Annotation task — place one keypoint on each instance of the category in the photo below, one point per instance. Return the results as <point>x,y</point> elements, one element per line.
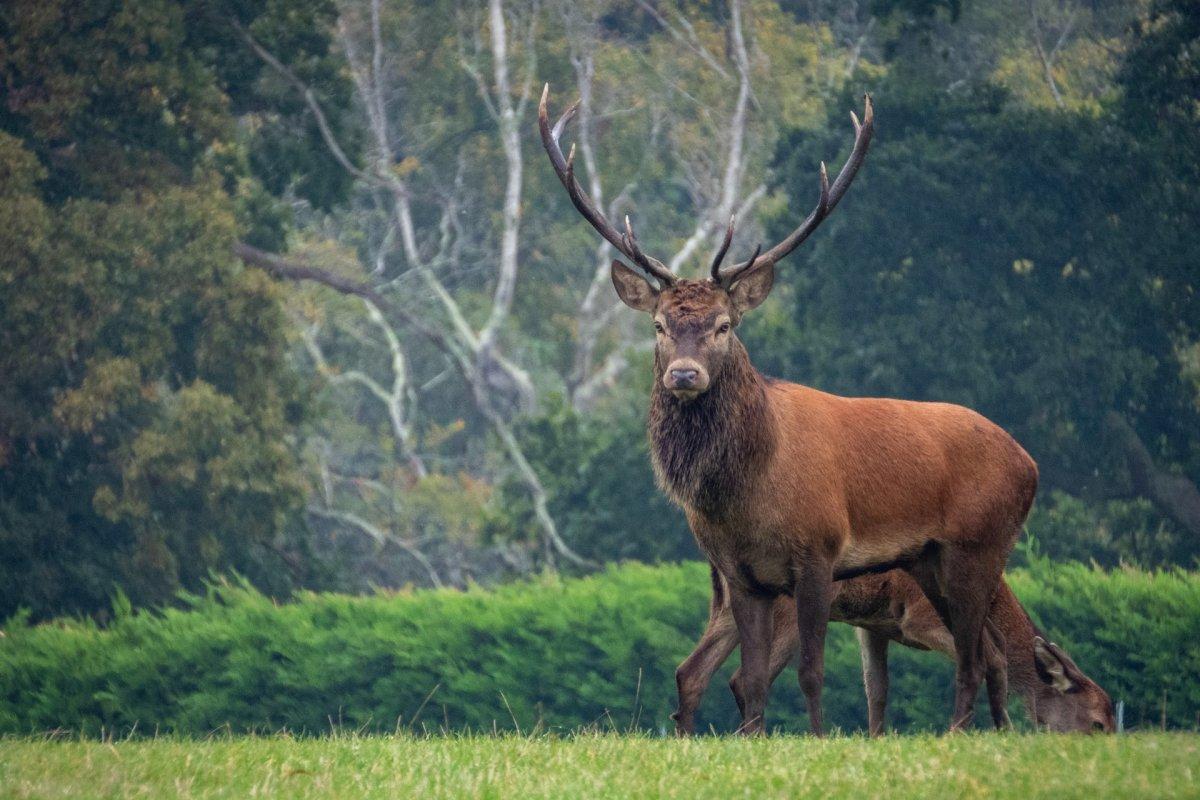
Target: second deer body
<point>890,607</point>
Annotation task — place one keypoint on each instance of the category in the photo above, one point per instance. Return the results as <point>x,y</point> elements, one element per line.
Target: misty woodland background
<point>289,289</point>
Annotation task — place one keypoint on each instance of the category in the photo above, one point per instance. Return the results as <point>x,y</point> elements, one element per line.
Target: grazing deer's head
<point>1068,700</point>
<point>694,319</point>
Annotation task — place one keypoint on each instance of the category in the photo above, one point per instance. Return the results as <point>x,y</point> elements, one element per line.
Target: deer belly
<point>877,554</point>
<point>757,567</point>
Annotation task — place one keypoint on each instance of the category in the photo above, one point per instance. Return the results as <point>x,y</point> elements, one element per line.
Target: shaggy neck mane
<point>706,452</point>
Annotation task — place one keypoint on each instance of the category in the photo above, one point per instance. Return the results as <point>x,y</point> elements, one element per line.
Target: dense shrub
<point>564,653</point>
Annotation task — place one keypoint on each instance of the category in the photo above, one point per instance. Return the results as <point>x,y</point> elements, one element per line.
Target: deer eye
<point>658,328</point>
<point>724,328</point>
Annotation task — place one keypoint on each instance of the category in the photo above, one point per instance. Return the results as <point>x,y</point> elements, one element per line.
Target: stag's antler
<point>830,197</point>
<point>626,243</point>
<point>720,256</point>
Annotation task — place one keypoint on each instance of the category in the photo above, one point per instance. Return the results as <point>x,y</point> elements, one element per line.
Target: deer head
<point>694,320</point>
<point>1068,700</point>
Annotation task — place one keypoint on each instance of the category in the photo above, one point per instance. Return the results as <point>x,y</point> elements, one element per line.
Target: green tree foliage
<point>1160,76</point>
<point>599,651</point>
<point>1022,240</point>
<point>1014,260</point>
<point>115,95</point>
<point>1160,80</point>
<point>604,493</point>
<point>146,403</point>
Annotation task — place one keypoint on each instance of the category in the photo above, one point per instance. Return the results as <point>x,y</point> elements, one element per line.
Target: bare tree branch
<point>510,137</point>
<point>485,94</point>
<point>396,399</point>
<point>292,270</point>
<point>314,107</point>
<point>714,219</point>
<point>1174,495</point>
<point>541,502</point>
<point>475,354</point>
<point>381,536</point>
<point>1047,59</point>
<point>691,40</point>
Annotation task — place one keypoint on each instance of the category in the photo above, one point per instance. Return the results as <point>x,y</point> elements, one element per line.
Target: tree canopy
<point>289,288</point>
<point>147,407</point>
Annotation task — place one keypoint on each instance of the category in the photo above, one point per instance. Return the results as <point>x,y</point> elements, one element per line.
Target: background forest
<point>289,289</point>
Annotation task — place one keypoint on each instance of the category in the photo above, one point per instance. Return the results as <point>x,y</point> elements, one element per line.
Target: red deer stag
<point>890,607</point>
<point>787,488</point>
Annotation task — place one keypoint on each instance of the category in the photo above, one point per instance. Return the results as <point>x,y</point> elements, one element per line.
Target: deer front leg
<point>783,647</point>
<point>752,613</point>
<point>873,647</point>
<point>814,595</point>
<point>694,674</point>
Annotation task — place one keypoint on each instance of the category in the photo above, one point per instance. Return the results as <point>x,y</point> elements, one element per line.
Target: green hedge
<point>563,653</point>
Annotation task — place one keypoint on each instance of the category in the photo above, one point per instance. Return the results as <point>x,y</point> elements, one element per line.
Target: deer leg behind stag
<point>996,674</point>
<point>692,678</point>
<point>873,648</point>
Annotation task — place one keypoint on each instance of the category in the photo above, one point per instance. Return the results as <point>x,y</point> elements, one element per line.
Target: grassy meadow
<point>605,765</point>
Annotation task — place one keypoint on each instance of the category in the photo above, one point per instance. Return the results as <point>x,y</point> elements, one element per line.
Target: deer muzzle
<point>686,378</point>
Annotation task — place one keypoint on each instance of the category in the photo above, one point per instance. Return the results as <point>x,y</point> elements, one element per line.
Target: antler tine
<point>550,136</point>
<point>564,120</point>
<point>727,280</point>
<point>649,264</point>
<point>630,239</point>
<point>823,200</point>
<point>831,195</point>
<point>720,256</point>
<point>564,167</point>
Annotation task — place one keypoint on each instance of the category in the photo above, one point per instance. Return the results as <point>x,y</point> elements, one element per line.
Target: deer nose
<point>684,378</point>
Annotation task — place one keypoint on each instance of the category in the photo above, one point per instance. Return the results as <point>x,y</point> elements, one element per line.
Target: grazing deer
<point>890,607</point>
<point>787,488</point>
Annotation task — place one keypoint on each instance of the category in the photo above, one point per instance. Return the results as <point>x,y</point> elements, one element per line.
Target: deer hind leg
<point>929,631</point>
<point>968,578</point>
<point>954,580</point>
<point>996,675</point>
<point>873,647</point>
<point>693,676</point>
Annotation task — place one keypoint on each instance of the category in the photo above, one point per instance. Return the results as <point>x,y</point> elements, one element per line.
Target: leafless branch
<point>1047,59</point>
<point>690,40</point>
<point>314,107</point>
<point>381,536</point>
<point>734,167</point>
<point>475,355</point>
<point>510,137</point>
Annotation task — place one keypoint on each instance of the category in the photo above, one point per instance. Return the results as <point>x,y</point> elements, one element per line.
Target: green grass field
<point>594,766</point>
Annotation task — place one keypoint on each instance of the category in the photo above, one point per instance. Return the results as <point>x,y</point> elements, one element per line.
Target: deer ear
<point>634,290</point>
<point>751,290</point>
<point>1055,667</point>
